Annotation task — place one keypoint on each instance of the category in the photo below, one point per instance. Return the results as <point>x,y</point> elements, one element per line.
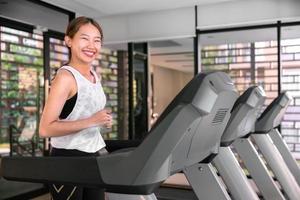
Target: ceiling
<point>104,8</point>
<point>176,54</point>
<point>173,54</point>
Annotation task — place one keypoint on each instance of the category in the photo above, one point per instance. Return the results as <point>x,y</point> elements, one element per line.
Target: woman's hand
<point>103,118</point>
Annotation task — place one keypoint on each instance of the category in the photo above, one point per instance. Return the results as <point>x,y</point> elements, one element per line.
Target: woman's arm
<point>63,87</point>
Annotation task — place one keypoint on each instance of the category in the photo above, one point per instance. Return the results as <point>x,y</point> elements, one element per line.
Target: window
<point>20,91</point>
<point>248,56</point>
<point>290,61</point>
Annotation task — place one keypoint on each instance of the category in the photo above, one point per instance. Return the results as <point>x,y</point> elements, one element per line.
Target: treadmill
<point>266,124</point>
<point>243,116</point>
<point>188,132</point>
<point>269,122</point>
<point>242,121</point>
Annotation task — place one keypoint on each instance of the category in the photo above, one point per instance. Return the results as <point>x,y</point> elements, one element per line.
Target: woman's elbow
<point>43,132</point>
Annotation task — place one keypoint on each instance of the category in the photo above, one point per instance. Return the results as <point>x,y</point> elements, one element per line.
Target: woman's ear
<point>68,41</point>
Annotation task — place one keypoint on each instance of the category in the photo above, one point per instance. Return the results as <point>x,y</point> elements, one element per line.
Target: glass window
<point>171,68</point>
<point>21,91</point>
<point>290,49</point>
<point>106,67</point>
<point>248,56</point>
<point>59,55</point>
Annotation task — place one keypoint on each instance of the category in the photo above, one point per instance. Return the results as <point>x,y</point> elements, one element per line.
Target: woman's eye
<point>84,38</point>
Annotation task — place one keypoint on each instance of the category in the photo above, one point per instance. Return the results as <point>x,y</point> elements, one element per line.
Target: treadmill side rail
<point>286,154</point>
<point>277,164</point>
<point>205,182</point>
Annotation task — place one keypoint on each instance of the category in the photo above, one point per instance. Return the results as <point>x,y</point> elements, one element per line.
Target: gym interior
<point>205,98</point>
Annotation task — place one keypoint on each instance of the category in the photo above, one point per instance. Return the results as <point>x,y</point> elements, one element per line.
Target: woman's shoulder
<point>64,72</point>
<point>65,75</point>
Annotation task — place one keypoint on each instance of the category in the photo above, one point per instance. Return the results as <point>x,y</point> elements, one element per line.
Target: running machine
<point>242,121</point>
<point>187,132</point>
<point>243,116</point>
<point>269,119</point>
<point>268,124</point>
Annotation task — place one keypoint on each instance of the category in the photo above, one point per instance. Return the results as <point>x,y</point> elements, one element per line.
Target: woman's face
<point>85,45</point>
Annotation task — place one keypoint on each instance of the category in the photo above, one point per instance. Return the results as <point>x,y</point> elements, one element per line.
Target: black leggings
<point>72,192</point>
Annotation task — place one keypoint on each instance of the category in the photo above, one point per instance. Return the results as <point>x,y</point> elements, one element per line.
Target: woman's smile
<point>89,53</point>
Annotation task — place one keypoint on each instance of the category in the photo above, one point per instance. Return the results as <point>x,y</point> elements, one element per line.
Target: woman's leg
<point>93,194</point>
<point>65,192</point>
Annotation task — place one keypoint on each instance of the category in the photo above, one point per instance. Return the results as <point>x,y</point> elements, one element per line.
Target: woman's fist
<point>103,118</point>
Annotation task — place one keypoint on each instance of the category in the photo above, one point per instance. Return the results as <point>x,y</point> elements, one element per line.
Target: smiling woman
<point>74,110</point>
<point>84,30</point>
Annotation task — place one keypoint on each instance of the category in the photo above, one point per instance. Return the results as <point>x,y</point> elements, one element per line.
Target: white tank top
<point>90,99</point>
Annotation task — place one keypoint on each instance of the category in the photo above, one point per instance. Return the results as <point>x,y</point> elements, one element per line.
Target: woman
<point>74,110</point>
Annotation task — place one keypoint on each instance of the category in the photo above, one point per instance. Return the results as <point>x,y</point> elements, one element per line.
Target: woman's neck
<point>83,68</point>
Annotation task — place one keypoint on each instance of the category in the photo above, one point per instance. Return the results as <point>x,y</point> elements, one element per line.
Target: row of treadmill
<point>194,135</point>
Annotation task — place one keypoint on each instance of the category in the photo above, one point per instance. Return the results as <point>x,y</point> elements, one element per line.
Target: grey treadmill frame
<point>268,121</point>
<point>203,177</point>
<point>179,140</point>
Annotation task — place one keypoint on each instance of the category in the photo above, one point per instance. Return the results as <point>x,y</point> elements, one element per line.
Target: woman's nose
<point>91,44</point>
